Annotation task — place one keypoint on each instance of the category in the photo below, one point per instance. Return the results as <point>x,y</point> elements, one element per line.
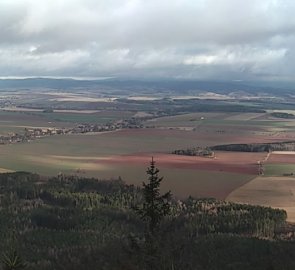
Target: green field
<point>187,120</point>
<point>279,169</point>
<point>220,119</point>
<point>97,118</point>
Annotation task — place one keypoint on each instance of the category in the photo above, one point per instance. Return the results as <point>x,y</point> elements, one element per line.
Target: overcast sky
<point>195,39</point>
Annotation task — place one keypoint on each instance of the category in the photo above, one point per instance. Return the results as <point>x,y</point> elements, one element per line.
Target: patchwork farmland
<point>126,153</point>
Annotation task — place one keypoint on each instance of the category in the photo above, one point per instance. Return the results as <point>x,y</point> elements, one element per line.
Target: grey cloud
<point>224,39</point>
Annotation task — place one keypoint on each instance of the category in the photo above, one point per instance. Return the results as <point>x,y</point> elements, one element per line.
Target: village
<point>37,133</point>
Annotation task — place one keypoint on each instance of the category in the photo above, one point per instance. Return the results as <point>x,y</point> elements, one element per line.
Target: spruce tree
<point>12,261</point>
<point>153,210</point>
<point>155,206</point>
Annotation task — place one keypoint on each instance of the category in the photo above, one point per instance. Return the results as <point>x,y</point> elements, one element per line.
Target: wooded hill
<point>67,222</point>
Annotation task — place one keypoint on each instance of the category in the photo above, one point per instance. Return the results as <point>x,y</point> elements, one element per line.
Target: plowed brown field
<point>235,162</point>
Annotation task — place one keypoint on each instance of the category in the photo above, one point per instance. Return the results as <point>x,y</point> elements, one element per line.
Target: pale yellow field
<point>283,111</point>
<point>3,170</point>
<point>69,162</point>
<point>83,99</point>
<point>277,192</point>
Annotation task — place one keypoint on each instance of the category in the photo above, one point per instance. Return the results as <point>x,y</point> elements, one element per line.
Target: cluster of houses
<point>34,133</point>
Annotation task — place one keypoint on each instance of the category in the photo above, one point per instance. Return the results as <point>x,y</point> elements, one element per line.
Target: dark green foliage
<point>155,206</point>
<point>72,223</point>
<point>12,261</point>
<point>249,147</point>
<point>209,216</point>
<point>283,115</point>
<point>196,151</point>
<point>256,147</point>
<point>235,253</point>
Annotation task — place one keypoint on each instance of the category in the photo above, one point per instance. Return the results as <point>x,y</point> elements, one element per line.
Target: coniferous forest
<point>67,222</point>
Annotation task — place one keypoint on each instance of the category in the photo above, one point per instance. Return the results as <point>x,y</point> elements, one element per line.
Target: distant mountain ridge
<point>163,86</point>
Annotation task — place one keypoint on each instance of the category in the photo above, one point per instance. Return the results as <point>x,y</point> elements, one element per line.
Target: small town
<point>37,133</point>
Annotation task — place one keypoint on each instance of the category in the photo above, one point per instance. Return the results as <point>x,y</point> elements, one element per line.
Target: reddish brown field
<point>186,175</point>
<point>234,162</point>
<point>282,158</point>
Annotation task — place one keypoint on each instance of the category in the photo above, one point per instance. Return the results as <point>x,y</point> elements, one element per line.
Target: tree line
<point>240,147</point>
<point>195,151</point>
<point>256,147</point>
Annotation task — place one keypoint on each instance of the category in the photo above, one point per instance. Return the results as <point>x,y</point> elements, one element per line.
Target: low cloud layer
<point>196,39</point>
